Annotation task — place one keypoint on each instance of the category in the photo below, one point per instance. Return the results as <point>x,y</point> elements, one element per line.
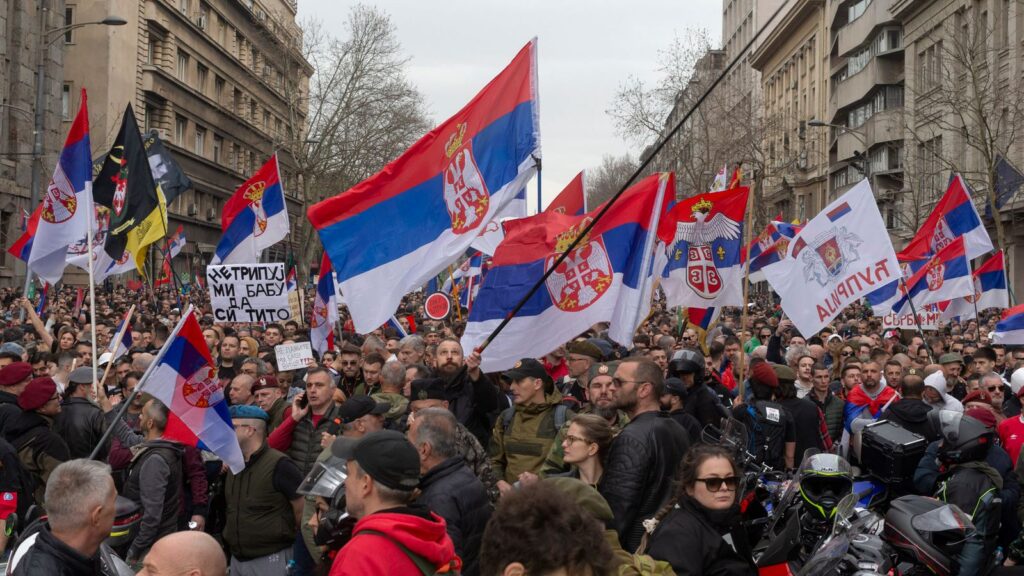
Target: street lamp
<point>45,41</point>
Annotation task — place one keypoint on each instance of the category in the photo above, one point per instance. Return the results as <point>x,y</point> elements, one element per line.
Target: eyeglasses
<point>574,439</point>
<point>715,484</point>
<point>349,362</point>
<point>846,353</point>
<point>993,388</point>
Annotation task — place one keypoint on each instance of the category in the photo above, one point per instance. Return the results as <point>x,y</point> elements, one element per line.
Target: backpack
<point>767,435</point>
<point>561,417</point>
<point>425,567</point>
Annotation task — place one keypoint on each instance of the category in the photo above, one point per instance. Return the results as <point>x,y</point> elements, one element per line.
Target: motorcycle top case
<point>890,452</point>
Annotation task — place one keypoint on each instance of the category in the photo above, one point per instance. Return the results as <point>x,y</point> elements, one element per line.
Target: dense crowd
<point>396,454</point>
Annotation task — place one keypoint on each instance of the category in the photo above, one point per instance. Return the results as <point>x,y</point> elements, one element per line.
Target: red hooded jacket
<point>422,532</point>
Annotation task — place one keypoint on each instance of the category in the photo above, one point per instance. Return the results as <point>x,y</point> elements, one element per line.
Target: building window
<point>857,61</point>
<point>929,67</point>
<point>929,166</point>
<point>69,19</point>
<point>180,125</point>
<point>182,66</point>
<point>857,9</point>
<point>218,88</point>
<point>147,121</point>
<point>204,16</point>
<point>236,101</point>
<point>65,101</point>
<point>252,111</point>
<point>266,120</point>
<point>1004,25</point>
<point>218,144</point>
<point>200,145</point>
<point>201,73</point>
<point>151,48</point>
<point>184,6</point>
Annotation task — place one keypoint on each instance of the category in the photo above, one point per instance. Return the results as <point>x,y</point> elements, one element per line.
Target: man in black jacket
<point>80,496</point>
<point>911,412</point>
<point>13,380</point>
<point>643,459</point>
<point>448,487</point>
<point>471,395</point>
<point>701,402</point>
<point>80,422</point>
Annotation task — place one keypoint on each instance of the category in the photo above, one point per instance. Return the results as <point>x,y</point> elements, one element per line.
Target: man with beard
<point>471,395</point>
<point>601,395</point>
<point>229,346</point>
<point>581,356</point>
<point>349,366</point>
<point>871,394</point>
<point>643,458</point>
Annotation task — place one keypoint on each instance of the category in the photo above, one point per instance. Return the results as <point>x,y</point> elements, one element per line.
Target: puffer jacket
<point>832,408</point>
<point>639,472</point>
<point>706,552</point>
<point>454,493</point>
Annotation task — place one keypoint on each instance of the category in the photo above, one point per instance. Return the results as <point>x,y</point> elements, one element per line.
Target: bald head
<point>142,361</point>
<point>187,553</point>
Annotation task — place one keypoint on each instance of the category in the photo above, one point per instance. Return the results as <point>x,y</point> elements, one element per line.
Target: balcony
<point>856,33</point>
<point>879,70</point>
<point>884,126</point>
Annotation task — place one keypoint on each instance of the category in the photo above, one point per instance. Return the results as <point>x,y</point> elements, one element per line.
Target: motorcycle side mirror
<point>844,511</point>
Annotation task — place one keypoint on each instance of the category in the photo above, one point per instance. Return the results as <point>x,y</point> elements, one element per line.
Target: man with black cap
<point>263,508</point>
<point>81,422</point>
<point>580,357</point>
<point>13,380</point>
<point>523,434</point>
<point>30,432</point>
<point>361,415</point>
<point>390,537</point>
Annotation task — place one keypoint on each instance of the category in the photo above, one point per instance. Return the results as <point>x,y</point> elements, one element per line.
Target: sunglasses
<point>715,484</point>
<point>354,363</point>
<point>993,388</point>
<point>846,353</point>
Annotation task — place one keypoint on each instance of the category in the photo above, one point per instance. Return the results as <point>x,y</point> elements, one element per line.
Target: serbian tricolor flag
<point>607,277</point>
<point>118,348</point>
<point>572,200</point>
<point>185,379</point>
<point>953,216</point>
<point>293,285</point>
<point>424,209</point>
<point>325,310</point>
<point>769,247</point>
<point>945,276</point>
<point>63,216</point>
<point>254,218</point>
<point>1010,329</point>
<point>703,237</point>
<point>176,242</point>
<point>989,291</point>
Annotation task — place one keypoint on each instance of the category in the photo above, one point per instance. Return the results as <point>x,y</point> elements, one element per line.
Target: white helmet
<point>1017,381</point>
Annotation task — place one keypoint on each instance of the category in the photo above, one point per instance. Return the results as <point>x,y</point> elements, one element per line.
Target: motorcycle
<point>854,546</point>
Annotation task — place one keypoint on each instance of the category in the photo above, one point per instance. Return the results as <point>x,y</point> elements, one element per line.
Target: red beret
<point>265,382</point>
<point>37,393</point>
<point>982,415</point>
<point>977,396</point>
<point>762,373</point>
<point>15,373</point>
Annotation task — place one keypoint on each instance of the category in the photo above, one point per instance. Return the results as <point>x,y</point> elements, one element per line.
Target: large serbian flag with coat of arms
<point>254,218</point>
<point>607,277</point>
<point>185,379</point>
<point>391,233</point>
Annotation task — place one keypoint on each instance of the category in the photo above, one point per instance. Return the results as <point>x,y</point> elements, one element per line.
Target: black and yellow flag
<point>125,185</point>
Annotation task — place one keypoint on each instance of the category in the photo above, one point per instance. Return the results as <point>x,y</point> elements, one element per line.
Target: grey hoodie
<point>937,382</point>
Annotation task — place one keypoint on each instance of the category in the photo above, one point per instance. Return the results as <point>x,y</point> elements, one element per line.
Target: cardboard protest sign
<point>293,356</point>
<point>248,293</point>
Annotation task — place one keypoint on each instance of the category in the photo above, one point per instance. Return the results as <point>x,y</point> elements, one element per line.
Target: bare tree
<point>965,107</point>
<point>607,179</point>
<point>362,111</point>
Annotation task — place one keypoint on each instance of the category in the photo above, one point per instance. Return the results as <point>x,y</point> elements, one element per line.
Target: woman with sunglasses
<point>585,446</point>
<point>698,531</point>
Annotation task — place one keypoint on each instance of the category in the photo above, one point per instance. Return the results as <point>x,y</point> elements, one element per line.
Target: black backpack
<point>767,435</point>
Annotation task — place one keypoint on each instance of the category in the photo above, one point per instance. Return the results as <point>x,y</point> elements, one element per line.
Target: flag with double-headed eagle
<point>254,219</point>
<point>125,185</point>
<point>324,314</point>
<point>990,291</point>
<point>103,266</point>
<point>607,277</point>
<point>703,239</point>
<point>391,233</point>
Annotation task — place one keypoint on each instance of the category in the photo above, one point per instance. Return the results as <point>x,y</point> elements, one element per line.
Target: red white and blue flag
<point>118,348</point>
<point>64,215</point>
<point>770,246</point>
<point>424,209</point>
<point>954,216</point>
<point>1010,329</point>
<point>325,309</point>
<point>255,217</point>
<point>291,281</point>
<point>185,379</point>
<point>176,242</point>
<point>572,200</point>
<point>945,276</point>
<point>103,265</point>
<point>608,277</point>
<point>990,291</point>
<point>703,240</point>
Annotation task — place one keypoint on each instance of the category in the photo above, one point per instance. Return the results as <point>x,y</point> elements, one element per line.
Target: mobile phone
<point>303,401</point>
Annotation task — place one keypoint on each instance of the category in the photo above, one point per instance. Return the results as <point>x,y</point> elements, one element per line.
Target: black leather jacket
<point>81,424</point>
<point>453,492</point>
<point>40,552</point>
<point>639,473</point>
<point>706,552</point>
<point>473,402</point>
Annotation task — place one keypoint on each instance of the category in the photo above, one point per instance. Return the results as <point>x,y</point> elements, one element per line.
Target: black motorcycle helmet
<point>824,480</point>
<point>964,439</point>
<point>687,361</point>
<point>929,531</point>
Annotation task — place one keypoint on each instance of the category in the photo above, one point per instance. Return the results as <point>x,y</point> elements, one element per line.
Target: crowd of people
<point>396,454</point>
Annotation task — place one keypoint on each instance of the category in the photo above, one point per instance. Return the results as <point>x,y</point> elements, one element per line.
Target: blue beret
<point>250,412</point>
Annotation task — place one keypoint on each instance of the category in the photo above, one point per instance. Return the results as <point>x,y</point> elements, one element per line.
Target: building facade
<point>224,83</point>
<point>30,39</point>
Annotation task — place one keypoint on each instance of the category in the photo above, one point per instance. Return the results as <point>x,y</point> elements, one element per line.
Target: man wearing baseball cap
<point>390,537</point>
<point>524,432</point>
<point>13,380</point>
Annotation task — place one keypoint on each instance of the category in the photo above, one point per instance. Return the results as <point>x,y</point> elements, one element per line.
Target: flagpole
<point>657,148</point>
<point>92,289</point>
<point>119,336</point>
<point>142,382</point>
<point>917,321</point>
<point>974,300</point>
<point>539,200</point>
<point>744,314</point>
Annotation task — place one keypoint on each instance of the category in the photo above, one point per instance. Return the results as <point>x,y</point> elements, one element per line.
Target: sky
<point>586,50</point>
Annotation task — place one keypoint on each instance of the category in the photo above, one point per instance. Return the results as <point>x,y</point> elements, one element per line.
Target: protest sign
<point>248,292</point>
<point>929,320</point>
<point>293,356</point>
